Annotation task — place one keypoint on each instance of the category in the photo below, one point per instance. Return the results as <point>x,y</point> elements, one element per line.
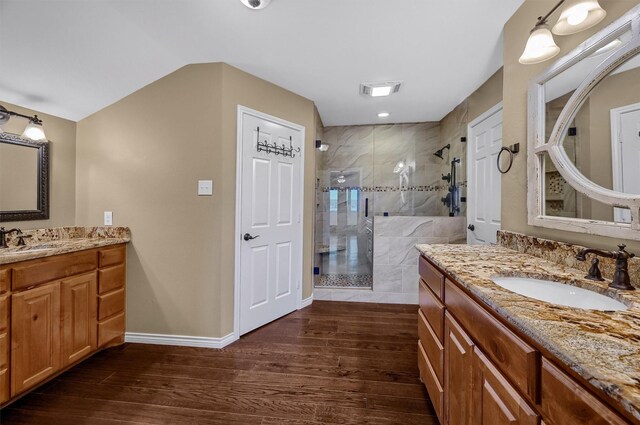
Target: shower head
<point>440,152</point>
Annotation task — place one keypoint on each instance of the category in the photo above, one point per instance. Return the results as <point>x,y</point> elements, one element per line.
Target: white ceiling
<point>71,58</point>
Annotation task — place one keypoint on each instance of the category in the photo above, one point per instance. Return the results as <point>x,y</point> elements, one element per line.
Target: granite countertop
<point>61,240</point>
<point>602,347</point>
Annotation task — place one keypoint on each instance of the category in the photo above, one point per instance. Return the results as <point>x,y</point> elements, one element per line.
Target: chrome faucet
<point>3,233</point>
<point>621,279</point>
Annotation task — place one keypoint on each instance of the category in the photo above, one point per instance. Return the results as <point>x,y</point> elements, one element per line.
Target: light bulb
<point>34,131</point>
<point>540,47</point>
<point>578,15</point>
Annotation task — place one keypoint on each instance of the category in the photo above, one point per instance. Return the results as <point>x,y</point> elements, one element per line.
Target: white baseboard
<point>307,301</point>
<point>180,340</point>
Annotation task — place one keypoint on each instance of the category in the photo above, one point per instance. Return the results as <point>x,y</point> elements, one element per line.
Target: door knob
<point>471,227</point>
<point>248,237</point>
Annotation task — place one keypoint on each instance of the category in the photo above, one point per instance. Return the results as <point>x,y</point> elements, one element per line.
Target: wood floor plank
<point>330,363</point>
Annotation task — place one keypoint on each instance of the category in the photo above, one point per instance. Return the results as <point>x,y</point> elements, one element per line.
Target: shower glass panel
<point>372,171</point>
<point>342,257</point>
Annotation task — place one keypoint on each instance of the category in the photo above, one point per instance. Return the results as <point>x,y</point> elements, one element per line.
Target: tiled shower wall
<point>367,155</point>
<point>452,128</point>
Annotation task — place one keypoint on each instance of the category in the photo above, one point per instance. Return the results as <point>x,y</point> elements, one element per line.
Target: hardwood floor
<point>330,363</point>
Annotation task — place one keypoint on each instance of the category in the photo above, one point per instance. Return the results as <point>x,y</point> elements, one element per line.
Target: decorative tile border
<point>430,188</point>
<point>344,281</point>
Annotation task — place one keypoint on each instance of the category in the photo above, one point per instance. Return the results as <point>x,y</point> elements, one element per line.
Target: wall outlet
<point>108,218</point>
<point>205,187</point>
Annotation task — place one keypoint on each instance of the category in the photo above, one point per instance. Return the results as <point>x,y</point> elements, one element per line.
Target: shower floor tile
<point>345,281</point>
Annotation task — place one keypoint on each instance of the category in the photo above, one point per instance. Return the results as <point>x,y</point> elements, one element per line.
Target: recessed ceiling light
<point>256,4</point>
<point>380,89</point>
<point>383,115</point>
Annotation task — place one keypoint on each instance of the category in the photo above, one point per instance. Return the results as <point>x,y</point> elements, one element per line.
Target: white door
<point>626,154</point>
<point>270,234</point>
<point>484,183</point>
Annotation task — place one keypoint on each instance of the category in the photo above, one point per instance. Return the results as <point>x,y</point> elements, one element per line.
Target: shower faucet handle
<point>447,177</point>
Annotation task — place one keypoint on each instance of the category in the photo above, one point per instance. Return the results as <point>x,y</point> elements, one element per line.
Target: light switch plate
<point>108,218</point>
<point>205,187</point>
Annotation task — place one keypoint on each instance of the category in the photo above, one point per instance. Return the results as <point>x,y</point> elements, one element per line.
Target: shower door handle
<point>366,207</point>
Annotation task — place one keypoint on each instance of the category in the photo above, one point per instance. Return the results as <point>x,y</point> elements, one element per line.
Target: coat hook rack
<point>274,148</point>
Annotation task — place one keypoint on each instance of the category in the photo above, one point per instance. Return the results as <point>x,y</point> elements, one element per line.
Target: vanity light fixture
<point>383,115</point>
<point>380,89</point>
<point>34,129</point>
<point>323,147</point>
<point>576,16</point>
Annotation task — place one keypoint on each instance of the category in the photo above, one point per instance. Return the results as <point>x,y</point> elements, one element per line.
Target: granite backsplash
<point>564,254</point>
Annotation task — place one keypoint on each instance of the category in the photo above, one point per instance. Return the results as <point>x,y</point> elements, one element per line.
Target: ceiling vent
<point>380,89</point>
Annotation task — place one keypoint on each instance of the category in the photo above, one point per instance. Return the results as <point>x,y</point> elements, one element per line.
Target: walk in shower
<point>375,171</point>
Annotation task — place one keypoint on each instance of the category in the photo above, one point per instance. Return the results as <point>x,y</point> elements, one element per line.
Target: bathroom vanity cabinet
<point>56,311</point>
<point>478,370</point>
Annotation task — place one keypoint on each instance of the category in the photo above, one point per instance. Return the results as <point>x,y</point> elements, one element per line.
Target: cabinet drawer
<point>111,304</point>
<point>4,313</point>
<point>430,380</point>
<point>564,401</point>
<point>112,256</point>
<point>47,269</point>
<point>514,357</point>
<point>111,329</point>
<point>433,310</point>
<point>5,280</point>
<point>432,277</point>
<point>431,345</point>
<point>111,278</point>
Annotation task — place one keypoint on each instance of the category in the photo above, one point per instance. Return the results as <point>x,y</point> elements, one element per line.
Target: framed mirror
<point>584,136</point>
<point>24,179</point>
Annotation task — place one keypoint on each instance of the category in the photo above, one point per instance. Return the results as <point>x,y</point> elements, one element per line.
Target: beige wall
<point>488,95</point>
<point>516,82</point>
<point>454,125</point>
<point>62,149</point>
<point>141,158</point>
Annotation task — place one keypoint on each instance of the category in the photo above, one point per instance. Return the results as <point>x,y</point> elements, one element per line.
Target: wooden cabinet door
<point>458,365</point>
<point>495,401</point>
<point>35,336</point>
<point>79,317</point>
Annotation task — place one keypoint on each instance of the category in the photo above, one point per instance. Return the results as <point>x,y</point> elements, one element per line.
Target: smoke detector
<point>256,4</point>
<point>380,89</point>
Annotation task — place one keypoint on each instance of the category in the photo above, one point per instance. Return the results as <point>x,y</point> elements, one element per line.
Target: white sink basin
<point>559,293</point>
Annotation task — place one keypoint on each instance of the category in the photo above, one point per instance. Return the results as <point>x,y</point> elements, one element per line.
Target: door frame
<point>242,112</point>
<point>616,151</point>
<point>482,117</point>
